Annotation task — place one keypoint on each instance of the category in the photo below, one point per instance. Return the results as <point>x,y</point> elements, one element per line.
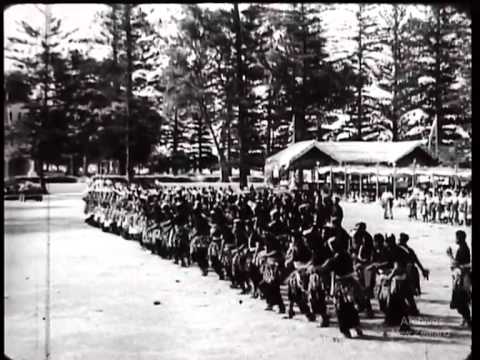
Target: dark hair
<point>379,238</point>
<point>404,237</point>
<point>362,226</point>
<point>390,239</point>
<point>461,235</point>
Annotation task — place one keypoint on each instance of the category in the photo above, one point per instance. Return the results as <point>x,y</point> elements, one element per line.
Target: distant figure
<point>387,203</point>
<point>337,210</point>
<point>412,204</point>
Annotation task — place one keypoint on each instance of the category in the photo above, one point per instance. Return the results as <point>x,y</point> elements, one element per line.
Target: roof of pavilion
<point>348,152</point>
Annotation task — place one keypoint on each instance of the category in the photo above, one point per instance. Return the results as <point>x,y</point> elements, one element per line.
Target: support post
<point>346,181</point>
<point>432,182</point>
<point>376,184</point>
<point>394,181</point>
<point>360,184</point>
<point>456,179</point>
<point>331,179</point>
<point>414,180</point>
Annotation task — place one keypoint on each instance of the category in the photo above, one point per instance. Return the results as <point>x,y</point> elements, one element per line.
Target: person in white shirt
<point>387,203</point>
<point>468,219</point>
<point>434,207</point>
<point>462,207</point>
<point>413,204</point>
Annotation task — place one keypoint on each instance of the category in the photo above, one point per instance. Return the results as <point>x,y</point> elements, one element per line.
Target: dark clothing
<point>342,238</point>
<point>227,234</point>
<point>462,255</point>
<point>341,263</point>
<point>245,212</point>
<point>277,228</point>
<point>241,237</point>
<point>180,219</point>
<point>379,255</point>
<point>400,256</point>
<point>316,244</point>
<point>365,254</point>
<point>322,216</point>
<point>337,212</point>
<point>462,284</point>
<point>359,238</point>
<point>201,225</point>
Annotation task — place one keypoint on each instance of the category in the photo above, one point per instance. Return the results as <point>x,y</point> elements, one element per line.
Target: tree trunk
<point>303,89</point>
<point>199,140</point>
<point>129,44</point>
<point>360,74</point>
<point>438,77</point>
<point>45,93</point>
<point>116,83</point>
<point>85,165</point>
<point>175,140</point>
<point>395,114</point>
<point>269,122</point>
<point>229,136</point>
<point>122,165</point>
<point>241,94</point>
<point>221,155</point>
<point>225,171</point>
<point>41,175</point>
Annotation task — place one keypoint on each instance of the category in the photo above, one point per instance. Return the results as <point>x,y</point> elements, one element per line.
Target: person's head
<point>403,239</point>
<point>378,241</point>
<point>460,236</point>
<point>360,227</point>
<point>390,240</point>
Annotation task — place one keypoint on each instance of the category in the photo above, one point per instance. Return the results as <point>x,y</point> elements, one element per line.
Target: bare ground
<point>103,290</point>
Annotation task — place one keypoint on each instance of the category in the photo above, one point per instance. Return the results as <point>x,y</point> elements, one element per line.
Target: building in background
<point>15,162</point>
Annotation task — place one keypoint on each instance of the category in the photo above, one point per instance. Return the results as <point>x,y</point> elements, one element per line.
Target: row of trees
<point>228,84</point>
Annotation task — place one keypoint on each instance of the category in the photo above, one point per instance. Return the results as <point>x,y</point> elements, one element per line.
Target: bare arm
<point>326,266</point>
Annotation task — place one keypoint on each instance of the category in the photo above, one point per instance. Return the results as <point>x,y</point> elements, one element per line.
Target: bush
<point>164,178</point>
<point>48,179</point>
<point>207,178</point>
<point>60,179</point>
<point>33,179</point>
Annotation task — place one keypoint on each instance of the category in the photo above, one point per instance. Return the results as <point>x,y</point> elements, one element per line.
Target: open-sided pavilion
<point>359,164</point>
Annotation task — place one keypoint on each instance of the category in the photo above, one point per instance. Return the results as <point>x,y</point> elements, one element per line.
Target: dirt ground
<point>103,290</point>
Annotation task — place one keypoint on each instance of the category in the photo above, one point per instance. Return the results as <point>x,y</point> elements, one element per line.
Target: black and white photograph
<point>237,181</point>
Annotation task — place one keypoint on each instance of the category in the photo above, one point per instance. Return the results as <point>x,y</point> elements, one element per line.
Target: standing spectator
<point>444,206</point>
<point>462,207</point>
<point>412,204</point>
<point>337,210</point>
<point>453,216</point>
<point>434,206</point>
<point>468,220</point>
<point>387,203</point>
<point>461,274</point>
<point>22,188</point>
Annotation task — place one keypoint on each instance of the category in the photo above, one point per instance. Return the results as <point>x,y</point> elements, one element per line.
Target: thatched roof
<point>351,152</point>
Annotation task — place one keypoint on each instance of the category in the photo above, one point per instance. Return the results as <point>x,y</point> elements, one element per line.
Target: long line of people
<point>260,240</point>
<point>447,206</point>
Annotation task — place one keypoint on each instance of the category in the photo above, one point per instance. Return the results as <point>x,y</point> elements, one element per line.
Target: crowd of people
<point>259,240</point>
<point>446,206</point>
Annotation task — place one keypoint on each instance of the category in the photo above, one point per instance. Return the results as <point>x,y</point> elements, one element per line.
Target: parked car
<point>15,189</point>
